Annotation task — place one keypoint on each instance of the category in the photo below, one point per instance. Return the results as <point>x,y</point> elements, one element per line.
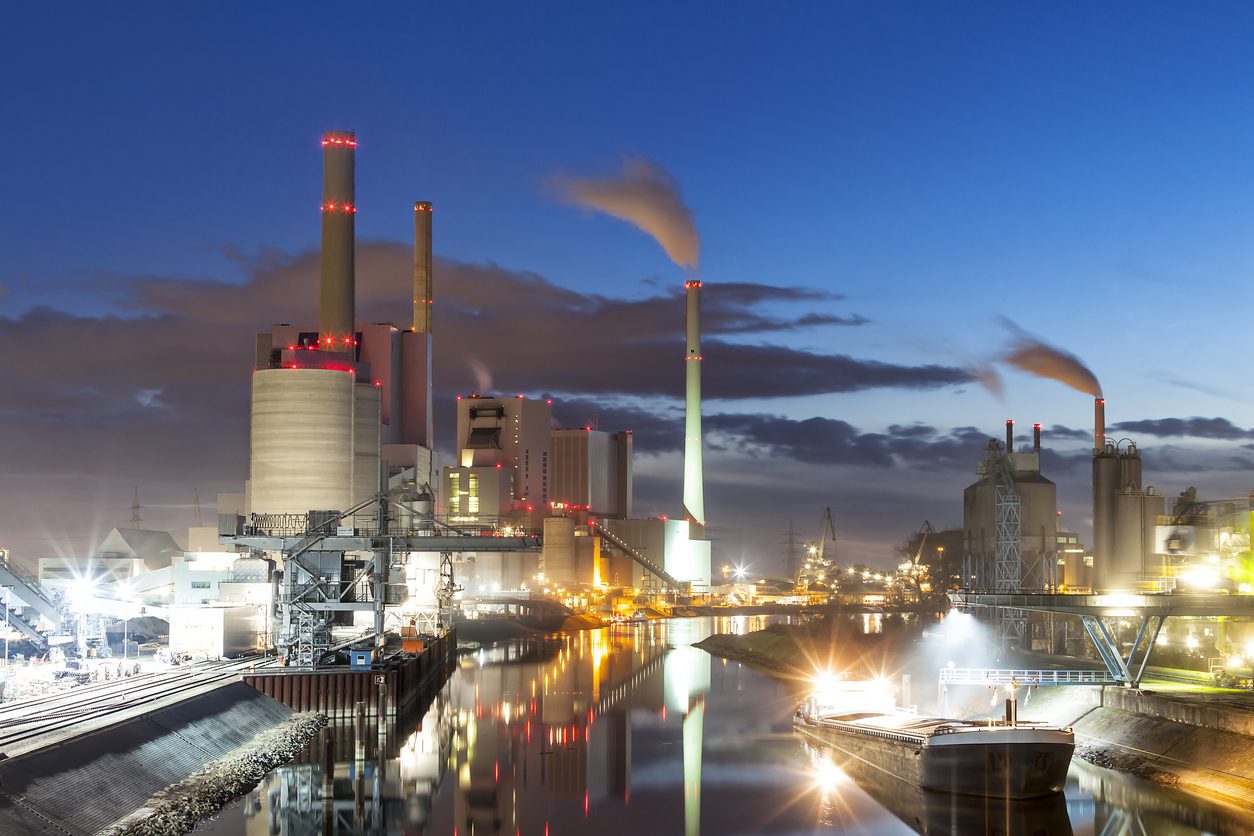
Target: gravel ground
<point>178,809</point>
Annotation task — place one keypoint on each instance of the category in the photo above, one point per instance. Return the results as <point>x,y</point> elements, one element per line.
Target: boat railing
<point>899,736</point>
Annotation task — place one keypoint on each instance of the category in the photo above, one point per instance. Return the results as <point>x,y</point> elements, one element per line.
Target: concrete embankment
<point>1185,741</point>
<point>84,783</point>
<point>180,808</point>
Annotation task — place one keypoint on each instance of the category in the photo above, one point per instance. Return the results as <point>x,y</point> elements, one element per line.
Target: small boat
<point>996,758</point>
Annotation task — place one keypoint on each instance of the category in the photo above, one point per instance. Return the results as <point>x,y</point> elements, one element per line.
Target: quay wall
<point>336,691</point>
<point>1201,713</point>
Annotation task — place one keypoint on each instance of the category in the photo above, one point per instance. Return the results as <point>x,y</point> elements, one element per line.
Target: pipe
<point>1099,425</point>
<point>422,267</point>
<point>1010,435</point>
<point>336,325</point>
<point>1036,438</point>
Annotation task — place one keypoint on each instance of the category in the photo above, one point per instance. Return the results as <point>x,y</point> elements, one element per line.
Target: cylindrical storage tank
<point>1130,470</point>
<point>1129,529</point>
<point>301,440</point>
<point>1105,481</point>
<point>366,430</point>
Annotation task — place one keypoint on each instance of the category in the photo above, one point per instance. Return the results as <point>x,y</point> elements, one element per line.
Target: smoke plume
<point>988,377</point>
<point>643,194</point>
<point>1032,355</point>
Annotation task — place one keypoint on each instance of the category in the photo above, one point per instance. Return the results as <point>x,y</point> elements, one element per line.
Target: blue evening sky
<point>1086,170</point>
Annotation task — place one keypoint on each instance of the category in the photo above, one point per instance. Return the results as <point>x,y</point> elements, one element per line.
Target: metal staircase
<point>618,543</point>
<point>28,603</point>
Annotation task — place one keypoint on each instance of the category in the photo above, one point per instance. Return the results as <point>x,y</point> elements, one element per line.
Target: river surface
<point>631,730</point>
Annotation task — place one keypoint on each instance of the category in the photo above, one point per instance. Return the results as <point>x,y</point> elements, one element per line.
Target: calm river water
<point>630,730</point>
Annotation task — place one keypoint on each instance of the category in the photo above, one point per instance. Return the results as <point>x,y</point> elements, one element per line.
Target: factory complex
<point>352,534</point>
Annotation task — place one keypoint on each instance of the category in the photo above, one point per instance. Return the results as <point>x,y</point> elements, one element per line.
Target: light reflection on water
<point>629,730</point>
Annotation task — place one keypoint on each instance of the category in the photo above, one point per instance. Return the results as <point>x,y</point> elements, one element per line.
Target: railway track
<point>24,720</point>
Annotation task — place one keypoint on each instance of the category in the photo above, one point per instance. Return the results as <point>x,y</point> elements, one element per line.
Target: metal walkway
<point>1024,677</point>
<point>1093,608</point>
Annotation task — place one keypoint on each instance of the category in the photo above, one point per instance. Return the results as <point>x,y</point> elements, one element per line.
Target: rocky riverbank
<point>180,808</point>
<point>799,651</point>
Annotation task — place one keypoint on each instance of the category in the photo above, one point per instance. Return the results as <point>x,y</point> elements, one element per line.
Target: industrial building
<point>123,554</point>
<point>511,433</point>
<point>341,437</point>
<point>1010,519</point>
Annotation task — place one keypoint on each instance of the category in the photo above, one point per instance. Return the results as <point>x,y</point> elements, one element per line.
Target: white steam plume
<point>643,194</point>
<point>483,377</point>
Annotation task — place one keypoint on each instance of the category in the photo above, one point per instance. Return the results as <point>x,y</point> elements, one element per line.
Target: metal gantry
<point>1008,564</point>
<point>318,582</point>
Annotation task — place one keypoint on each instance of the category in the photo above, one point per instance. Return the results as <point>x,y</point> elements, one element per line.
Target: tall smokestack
<point>694,491</point>
<point>422,267</point>
<point>1010,435</point>
<point>1099,425</point>
<point>336,327</point>
<point>1036,438</point>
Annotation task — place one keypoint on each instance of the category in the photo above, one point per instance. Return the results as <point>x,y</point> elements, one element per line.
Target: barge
<point>993,758</point>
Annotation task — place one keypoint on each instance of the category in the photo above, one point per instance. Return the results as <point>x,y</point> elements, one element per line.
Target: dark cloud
<point>1058,431</point>
<point>1216,428</point>
<point>832,441</point>
<point>530,334</point>
<point>156,392</point>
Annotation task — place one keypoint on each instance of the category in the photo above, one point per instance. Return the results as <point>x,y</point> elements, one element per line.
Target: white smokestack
<point>694,479</point>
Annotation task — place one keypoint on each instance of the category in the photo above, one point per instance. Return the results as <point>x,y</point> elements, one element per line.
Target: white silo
<point>302,440</point>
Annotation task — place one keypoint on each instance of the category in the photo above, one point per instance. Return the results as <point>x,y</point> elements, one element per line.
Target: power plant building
<point>512,433</point>
<point>592,470</point>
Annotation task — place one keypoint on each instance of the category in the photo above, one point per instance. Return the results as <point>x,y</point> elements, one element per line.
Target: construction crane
<point>917,569</point>
<point>817,565</point>
<point>926,529</point>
